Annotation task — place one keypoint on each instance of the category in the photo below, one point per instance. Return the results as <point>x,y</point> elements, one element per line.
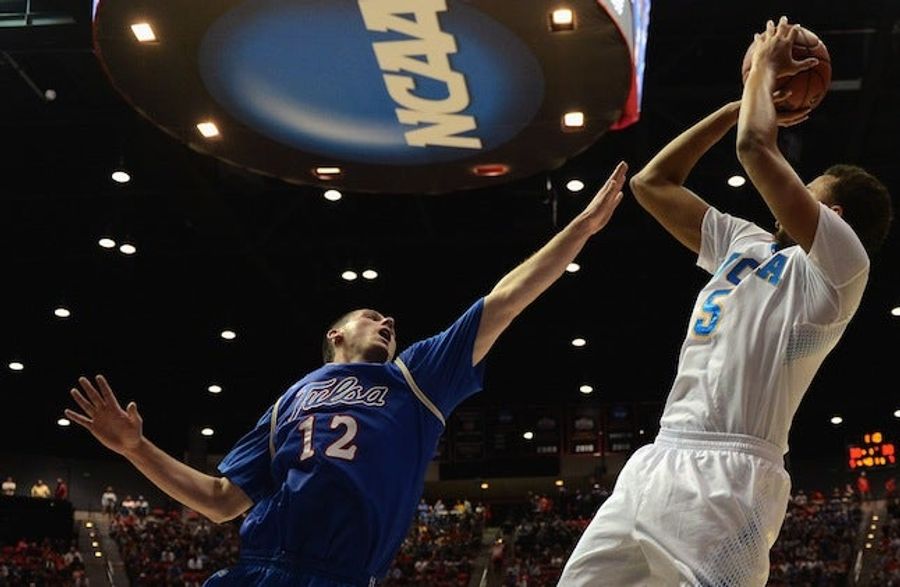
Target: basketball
<point>809,87</point>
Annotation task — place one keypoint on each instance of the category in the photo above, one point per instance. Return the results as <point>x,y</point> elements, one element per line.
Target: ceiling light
<point>562,19</point>
<point>895,311</point>
<point>16,366</point>
<point>98,554</point>
<point>586,389</point>
<point>528,435</point>
<point>737,181</point>
<point>127,249</point>
<point>327,172</point>
<point>88,524</point>
<point>208,129</point>
<point>120,176</point>
<point>207,432</point>
<point>573,267</point>
<point>369,274</point>
<point>228,334</point>
<point>214,388</point>
<point>107,243</point>
<point>578,342</point>
<point>143,32</point>
<point>63,422</point>
<point>349,275</point>
<point>485,485</point>
<point>559,482</point>
<point>897,413</point>
<point>491,170</point>
<point>333,195</point>
<point>836,420</point>
<point>575,185</point>
<point>573,120</point>
<point>62,312</point>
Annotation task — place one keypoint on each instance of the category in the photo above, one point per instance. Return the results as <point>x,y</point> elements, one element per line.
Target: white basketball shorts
<point>693,508</point>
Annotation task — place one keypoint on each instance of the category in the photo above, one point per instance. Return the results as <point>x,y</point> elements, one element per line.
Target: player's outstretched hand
<point>601,208</point>
<point>773,47</point>
<point>119,430</point>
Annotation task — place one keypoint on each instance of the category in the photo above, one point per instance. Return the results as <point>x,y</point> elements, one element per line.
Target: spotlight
<point>562,19</point>
<point>62,312</point>
<point>107,243</point>
<point>573,267</point>
<point>586,389</point>
<point>208,129</point>
<point>836,420</point>
<point>143,32</point>
<point>332,195</point>
<point>63,422</point>
<point>575,185</point>
<point>127,249</point>
<point>370,274</point>
<point>207,432</point>
<point>573,120</point>
<point>120,176</point>
<point>16,366</point>
<point>214,388</point>
<point>349,275</point>
<point>737,181</point>
<point>528,435</point>
<point>228,334</point>
<point>578,342</point>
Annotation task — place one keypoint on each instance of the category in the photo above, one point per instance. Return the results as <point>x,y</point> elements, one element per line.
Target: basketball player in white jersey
<point>703,504</point>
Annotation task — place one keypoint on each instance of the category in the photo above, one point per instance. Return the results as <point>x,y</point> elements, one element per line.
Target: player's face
<point>820,189</point>
<point>370,336</point>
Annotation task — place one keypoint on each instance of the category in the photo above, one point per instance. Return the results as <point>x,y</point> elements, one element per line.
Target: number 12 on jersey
<point>342,448</point>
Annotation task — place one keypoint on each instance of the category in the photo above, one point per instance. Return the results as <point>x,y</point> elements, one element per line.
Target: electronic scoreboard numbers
<point>873,453</point>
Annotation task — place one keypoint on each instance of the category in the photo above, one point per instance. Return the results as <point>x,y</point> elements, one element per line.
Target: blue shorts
<point>281,572</point>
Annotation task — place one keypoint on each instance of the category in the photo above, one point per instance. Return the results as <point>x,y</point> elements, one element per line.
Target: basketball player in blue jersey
<point>704,503</point>
<point>333,471</point>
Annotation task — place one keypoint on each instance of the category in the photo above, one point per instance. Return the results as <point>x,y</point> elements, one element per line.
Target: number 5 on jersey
<point>711,313</point>
<point>342,448</point>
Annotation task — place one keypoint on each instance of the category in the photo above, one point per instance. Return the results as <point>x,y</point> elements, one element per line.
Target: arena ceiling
<point>221,248</point>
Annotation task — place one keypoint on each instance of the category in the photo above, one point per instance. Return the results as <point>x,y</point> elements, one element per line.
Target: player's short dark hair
<point>327,346</point>
<point>865,201</point>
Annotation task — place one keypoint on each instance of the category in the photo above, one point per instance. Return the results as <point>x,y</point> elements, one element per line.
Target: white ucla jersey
<point>762,325</point>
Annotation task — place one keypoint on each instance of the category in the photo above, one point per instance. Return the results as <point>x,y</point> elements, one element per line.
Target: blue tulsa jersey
<point>351,446</point>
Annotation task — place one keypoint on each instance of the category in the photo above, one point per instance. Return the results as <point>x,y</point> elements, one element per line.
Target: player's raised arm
<point>122,431</point>
<point>521,286</point>
<point>783,191</point>
<point>659,186</point>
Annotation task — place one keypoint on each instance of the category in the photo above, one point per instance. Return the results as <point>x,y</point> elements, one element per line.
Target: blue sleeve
<point>442,365</point>
<point>248,464</point>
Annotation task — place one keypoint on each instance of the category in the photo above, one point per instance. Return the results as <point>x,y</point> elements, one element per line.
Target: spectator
<point>108,500</point>
<point>41,490</point>
<point>862,485</point>
<point>62,490</point>
<point>142,506</point>
<point>9,486</point>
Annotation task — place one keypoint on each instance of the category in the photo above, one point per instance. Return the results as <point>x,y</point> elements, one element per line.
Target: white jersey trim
<point>272,424</point>
<point>418,391</point>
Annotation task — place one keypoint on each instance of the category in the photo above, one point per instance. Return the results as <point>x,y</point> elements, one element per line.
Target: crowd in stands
<point>887,548</point>
<point>441,545</point>
<point>39,489</point>
<point>50,563</point>
<point>817,539</point>
<point>544,536</point>
<point>170,548</point>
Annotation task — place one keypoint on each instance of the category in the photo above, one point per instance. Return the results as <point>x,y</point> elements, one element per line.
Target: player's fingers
<point>106,391</point>
<point>78,418</point>
<point>807,63</point>
<point>618,174</point>
<point>82,402</point>
<point>780,96</point>
<point>91,392</point>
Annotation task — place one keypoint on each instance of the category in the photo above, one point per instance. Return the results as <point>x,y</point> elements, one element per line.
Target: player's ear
<point>336,336</point>
<point>838,209</point>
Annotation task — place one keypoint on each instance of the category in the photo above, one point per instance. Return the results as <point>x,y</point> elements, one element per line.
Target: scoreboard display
<point>873,453</point>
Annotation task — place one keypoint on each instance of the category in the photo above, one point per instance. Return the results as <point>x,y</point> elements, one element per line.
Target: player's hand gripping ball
<point>807,88</point>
